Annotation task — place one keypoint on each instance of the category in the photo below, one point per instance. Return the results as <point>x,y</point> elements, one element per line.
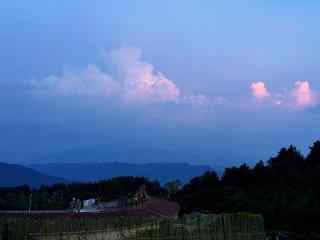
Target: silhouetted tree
<point>241,177</point>
<point>285,190</point>
<point>313,158</point>
<point>287,157</point>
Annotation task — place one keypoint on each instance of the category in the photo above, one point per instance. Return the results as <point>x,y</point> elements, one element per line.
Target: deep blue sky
<point>232,80</point>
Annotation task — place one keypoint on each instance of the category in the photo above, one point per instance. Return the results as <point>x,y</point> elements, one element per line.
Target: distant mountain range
<point>12,175</point>
<point>118,153</point>
<point>111,160</point>
<point>162,172</point>
<point>102,162</point>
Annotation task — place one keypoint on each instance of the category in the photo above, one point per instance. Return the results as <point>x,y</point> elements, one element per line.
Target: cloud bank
<point>135,81</point>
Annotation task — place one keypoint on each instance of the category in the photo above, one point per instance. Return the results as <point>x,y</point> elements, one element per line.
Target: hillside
<point>16,175</point>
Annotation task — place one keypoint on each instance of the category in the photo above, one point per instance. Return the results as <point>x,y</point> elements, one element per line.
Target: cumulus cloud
<point>140,80</point>
<point>89,81</point>
<point>259,90</point>
<point>303,95</point>
<point>300,96</point>
<point>134,81</point>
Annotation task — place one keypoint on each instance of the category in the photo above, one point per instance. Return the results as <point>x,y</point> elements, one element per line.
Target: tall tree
<point>313,158</point>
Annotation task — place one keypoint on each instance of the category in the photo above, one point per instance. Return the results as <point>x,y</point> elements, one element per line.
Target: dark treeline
<point>285,190</point>
<point>59,196</point>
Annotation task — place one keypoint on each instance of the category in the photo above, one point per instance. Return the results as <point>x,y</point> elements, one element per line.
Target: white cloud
<point>90,81</point>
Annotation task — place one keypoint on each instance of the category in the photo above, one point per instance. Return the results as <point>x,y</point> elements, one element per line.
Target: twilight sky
<point>233,81</point>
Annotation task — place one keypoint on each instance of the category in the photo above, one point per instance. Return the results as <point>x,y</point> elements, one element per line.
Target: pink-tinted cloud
<point>141,82</point>
<point>303,95</point>
<point>259,90</point>
<point>134,81</point>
